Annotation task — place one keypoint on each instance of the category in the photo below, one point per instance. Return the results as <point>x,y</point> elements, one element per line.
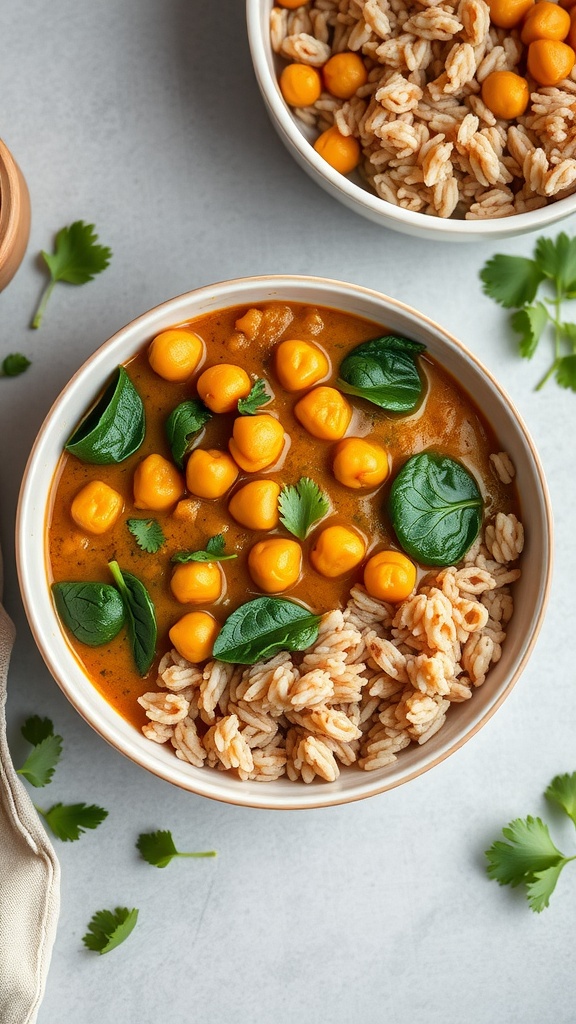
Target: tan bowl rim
<point>13,187</point>
<point>281,281</point>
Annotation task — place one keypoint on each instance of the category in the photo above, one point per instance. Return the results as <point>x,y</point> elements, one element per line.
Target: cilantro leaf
<point>76,259</point>
<point>511,280</point>
<point>14,364</point>
<point>529,323</point>
<point>36,729</point>
<point>569,332</point>
<point>69,821</point>
<point>39,766</point>
<point>148,534</point>
<point>541,885</point>
<point>529,850</point>
<point>214,552</point>
<point>158,848</point>
<point>556,259</point>
<point>566,372</point>
<point>108,928</point>
<point>258,396</point>
<point>562,791</point>
<point>301,506</point>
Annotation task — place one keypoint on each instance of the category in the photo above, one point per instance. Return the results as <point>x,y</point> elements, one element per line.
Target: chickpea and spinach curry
<point>298,525</point>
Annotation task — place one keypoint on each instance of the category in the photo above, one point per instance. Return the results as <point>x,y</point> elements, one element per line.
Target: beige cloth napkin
<point>29,878</point>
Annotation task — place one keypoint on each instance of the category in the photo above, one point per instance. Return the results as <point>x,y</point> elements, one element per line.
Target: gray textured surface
<point>143,116</point>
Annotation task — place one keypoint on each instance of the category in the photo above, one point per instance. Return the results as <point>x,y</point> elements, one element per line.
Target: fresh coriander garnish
<point>301,506</point>
<point>41,762</point>
<point>148,534</point>
<point>258,396</point>
<point>69,821</point>
<point>530,856</point>
<point>108,928</point>
<point>514,281</point>
<point>158,848</point>
<point>76,259</point>
<point>214,552</point>
<point>14,364</point>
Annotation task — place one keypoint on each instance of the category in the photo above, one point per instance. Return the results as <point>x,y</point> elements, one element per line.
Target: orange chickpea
<point>337,550</point>
<point>193,636</point>
<point>342,152</point>
<point>175,354</point>
<point>390,576</point>
<point>300,85</point>
<point>344,74</point>
<point>256,442</point>
<point>545,21</point>
<point>360,463</point>
<point>292,4</point>
<point>300,364</point>
<point>275,564</point>
<point>255,505</point>
<point>549,61</point>
<point>222,385</point>
<point>325,413</point>
<point>210,473</point>
<point>196,582</point>
<point>505,94</point>
<point>157,484</point>
<point>96,507</point>
<point>508,13</point>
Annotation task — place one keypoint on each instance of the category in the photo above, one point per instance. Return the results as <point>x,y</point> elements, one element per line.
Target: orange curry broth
<point>446,420</point>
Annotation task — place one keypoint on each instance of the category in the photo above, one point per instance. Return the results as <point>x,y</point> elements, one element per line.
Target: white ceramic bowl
<point>531,593</point>
<point>352,191</point>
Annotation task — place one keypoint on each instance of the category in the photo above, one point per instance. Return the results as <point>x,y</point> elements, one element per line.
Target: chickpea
<point>210,473</point>
<point>157,484</point>
<point>300,85</point>
<point>360,463</point>
<point>325,413</point>
<point>256,441</point>
<point>344,74</point>
<point>300,364</point>
<point>196,582</point>
<point>175,354</point>
<point>508,13</point>
<point>549,61</point>
<point>545,21</point>
<point>275,564</point>
<point>505,94</point>
<point>342,152</point>
<point>255,505</point>
<point>337,550</point>
<point>193,636</point>
<point>222,385</point>
<point>390,576</point>
<point>96,507</point>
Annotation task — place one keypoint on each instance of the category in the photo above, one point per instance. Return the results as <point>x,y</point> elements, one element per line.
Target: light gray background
<point>143,116</point>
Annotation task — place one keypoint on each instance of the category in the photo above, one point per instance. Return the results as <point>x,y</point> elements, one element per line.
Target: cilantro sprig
<point>529,856</point>
<point>39,766</point>
<point>69,821</point>
<point>213,552</point>
<point>515,281</point>
<point>158,848</point>
<point>14,364</point>
<point>76,259</point>
<point>109,928</point>
<point>147,533</point>
<point>258,396</point>
<point>301,506</point>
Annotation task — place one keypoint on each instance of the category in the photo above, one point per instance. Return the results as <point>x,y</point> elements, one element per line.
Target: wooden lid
<point>14,216</point>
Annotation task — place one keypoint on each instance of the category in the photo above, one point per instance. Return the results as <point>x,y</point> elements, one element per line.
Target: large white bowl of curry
<point>111,708</point>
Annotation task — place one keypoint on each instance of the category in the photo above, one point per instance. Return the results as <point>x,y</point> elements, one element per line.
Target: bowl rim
<point>169,308</point>
<point>531,220</point>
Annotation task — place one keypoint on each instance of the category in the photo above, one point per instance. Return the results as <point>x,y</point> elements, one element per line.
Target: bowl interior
<point>530,597</point>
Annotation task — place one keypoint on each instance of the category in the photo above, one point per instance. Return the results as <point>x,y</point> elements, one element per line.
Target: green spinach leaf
<point>93,612</point>
<point>384,371</point>
<point>260,628</point>
<point>114,428</point>
<point>436,509</point>
<point>140,617</point>
<point>182,425</point>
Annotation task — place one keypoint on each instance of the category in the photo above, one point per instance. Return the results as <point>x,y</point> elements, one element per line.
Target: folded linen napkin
<point>29,877</point>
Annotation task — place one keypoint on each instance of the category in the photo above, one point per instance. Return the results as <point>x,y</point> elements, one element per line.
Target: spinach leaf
<point>114,428</point>
<point>183,423</point>
<point>93,612</point>
<point>384,372</point>
<point>436,509</point>
<point>260,628</point>
<point>140,617</point>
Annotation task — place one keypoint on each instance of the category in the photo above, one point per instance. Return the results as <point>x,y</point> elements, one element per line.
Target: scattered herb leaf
<point>182,426</point>
<point>556,259</point>
<point>260,628</point>
<point>14,364</point>
<point>158,848</point>
<point>36,729</point>
<point>566,372</point>
<point>384,372</point>
<point>529,323</point>
<point>93,612</point>
<point>301,506</point>
<point>114,428</point>
<point>41,762</point>
<point>69,821</point>
<point>562,791</point>
<point>148,534</point>
<point>109,928</point>
<point>511,280</point>
<point>214,552</point>
<point>140,617</point>
<point>76,259</point>
<point>258,396</point>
